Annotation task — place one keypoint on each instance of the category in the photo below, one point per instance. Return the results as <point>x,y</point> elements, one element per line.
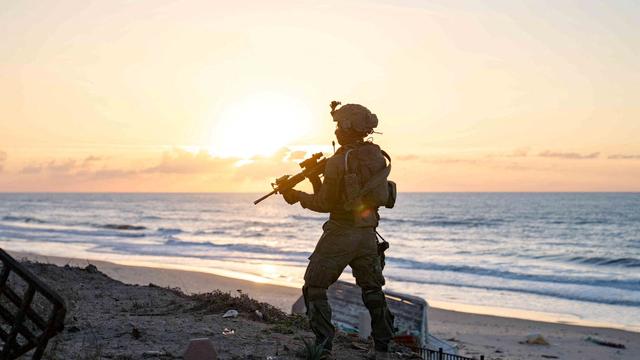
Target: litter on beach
<point>230,314</point>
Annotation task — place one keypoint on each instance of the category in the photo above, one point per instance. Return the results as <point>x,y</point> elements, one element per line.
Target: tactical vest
<point>366,184</point>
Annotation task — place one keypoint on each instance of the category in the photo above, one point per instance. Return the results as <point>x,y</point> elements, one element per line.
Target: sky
<point>191,96</point>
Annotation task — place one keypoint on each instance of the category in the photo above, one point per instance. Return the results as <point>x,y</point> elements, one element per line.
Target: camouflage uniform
<point>346,241</point>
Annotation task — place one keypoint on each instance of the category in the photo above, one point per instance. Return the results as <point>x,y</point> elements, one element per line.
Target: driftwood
<point>602,342</point>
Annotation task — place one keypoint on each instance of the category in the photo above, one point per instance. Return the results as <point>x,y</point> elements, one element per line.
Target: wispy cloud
<point>624,156</point>
<point>450,161</point>
<point>408,157</point>
<point>515,153</point>
<point>3,158</point>
<point>63,166</point>
<point>434,159</point>
<point>92,159</point>
<point>178,161</point>
<point>520,152</point>
<point>569,155</point>
<point>31,169</point>
<point>297,155</point>
<point>103,174</point>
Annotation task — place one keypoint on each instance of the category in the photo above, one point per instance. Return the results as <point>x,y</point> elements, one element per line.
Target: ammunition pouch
<point>382,247</point>
<point>393,193</point>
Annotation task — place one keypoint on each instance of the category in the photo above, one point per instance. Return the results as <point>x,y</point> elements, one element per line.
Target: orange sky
<point>156,95</point>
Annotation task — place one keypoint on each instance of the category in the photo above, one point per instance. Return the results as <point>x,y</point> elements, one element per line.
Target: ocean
<point>562,257</point>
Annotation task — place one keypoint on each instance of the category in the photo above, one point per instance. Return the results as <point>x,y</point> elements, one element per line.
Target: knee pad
<point>373,298</point>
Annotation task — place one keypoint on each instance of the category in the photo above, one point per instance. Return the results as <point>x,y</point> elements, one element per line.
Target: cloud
<point>178,161</point>
<point>520,152</point>
<point>31,169</point>
<point>91,159</point>
<point>408,157</point>
<point>297,155</point>
<point>66,166</point>
<point>112,173</point>
<point>569,155</point>
<point>624,157</point>
<point>450,161</point>
<point>69,167</point>
<point>515,153</point>
<point>3,158</point>
<point>435,159</point>
<point>57,167</point>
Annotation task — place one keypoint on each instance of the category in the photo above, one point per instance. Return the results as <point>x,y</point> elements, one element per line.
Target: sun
<point>259,125</point>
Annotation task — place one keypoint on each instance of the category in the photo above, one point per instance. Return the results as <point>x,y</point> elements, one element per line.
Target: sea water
<point>566,257</point>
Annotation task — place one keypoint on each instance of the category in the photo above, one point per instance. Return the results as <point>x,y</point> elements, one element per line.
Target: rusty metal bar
<point>10,343</point>
<point>33,316</point>
<point>12,348</point>
<point>9,318</point>
<point>3,277</point>
<point>28,277</point>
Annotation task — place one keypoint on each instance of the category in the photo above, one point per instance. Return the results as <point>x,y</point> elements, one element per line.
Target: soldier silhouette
<point>353,188</point>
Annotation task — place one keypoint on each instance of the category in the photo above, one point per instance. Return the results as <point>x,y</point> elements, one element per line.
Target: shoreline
<point>188,281</point>
<point>197,280</point>
<point>495,337</point>
<point>281,296</point>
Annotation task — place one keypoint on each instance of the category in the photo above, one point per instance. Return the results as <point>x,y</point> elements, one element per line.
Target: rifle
<point>313,166</point>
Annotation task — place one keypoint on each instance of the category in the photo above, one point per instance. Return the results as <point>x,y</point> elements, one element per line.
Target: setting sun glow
<point>259,125</point>
<point>208,96</point>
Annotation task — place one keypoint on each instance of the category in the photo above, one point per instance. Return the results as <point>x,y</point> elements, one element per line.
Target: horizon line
<point>258,192</point>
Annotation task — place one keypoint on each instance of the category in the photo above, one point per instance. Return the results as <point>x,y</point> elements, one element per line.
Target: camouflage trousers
<point>339,246</point>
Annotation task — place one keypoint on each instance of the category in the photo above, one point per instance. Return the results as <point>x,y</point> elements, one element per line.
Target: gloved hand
<point>315,182</point>
<point>290,196</point>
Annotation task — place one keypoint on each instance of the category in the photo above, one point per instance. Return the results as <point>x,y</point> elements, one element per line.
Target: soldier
<point>354,186</point>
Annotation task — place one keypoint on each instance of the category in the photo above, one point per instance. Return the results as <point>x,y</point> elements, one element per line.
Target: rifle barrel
<point>264,197</point>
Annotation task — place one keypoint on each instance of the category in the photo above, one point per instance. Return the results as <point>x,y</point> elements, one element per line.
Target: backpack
<point>376,191</point>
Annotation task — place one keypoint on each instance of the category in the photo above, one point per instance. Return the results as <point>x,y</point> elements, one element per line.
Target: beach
<point>163,163</point>
<point>554,257</point>
<point>492,336</point>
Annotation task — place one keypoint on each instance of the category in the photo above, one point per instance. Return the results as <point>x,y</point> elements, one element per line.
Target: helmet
<point>354,117</point>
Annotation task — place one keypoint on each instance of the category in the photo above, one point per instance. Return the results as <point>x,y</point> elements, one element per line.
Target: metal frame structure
<point>410,314</point>
<point>24,329</point>
<point>429,354</point>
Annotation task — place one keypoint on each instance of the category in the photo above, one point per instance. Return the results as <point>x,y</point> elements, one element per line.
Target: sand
<point>492,336</point>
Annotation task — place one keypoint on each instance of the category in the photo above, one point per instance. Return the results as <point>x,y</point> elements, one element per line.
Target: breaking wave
<point>604,261</point>
<point>25,219</point>
<point>506,274</point>
<point>121,227</point>
<point>467,222</point>
<point>561,294</point>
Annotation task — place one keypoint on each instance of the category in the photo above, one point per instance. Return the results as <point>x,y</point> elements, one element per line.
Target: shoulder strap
<point>346,161</point>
